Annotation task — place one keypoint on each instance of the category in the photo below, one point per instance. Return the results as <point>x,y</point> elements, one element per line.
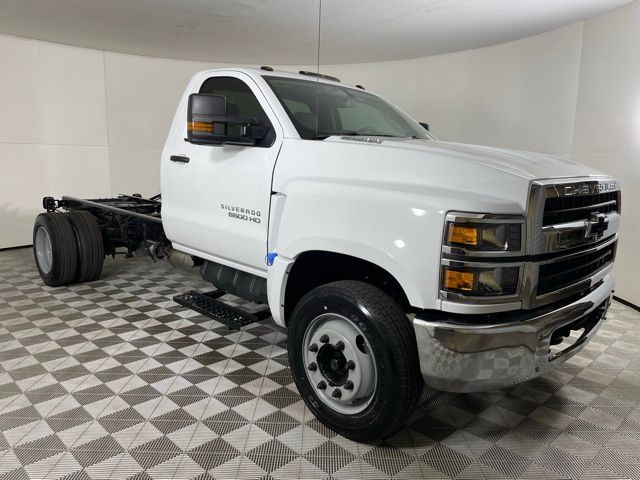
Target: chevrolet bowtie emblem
<point>596,225</point>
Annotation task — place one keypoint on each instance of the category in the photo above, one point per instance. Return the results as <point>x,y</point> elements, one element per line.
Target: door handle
<point>179,158</point>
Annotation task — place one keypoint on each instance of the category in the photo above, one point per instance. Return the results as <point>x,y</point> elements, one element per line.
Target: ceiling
<point>285,31</point>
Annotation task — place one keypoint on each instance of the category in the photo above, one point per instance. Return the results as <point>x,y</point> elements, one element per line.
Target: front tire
<point>354,359</point>
<point>55,249</point>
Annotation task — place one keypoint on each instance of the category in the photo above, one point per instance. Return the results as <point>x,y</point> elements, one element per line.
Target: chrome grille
<point>557,275</point>
<point>573,227</point>
<point>570,209</point>
<point>567,216</point>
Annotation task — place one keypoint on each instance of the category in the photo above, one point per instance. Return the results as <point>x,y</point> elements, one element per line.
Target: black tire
<point>63,253</point>
<point>90,245</point>
<point>391,340</point>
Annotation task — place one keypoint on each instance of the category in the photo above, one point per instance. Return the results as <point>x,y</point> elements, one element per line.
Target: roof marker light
<point>319,75</point>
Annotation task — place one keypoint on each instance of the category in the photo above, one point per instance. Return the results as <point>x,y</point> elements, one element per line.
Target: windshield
<point>341,111</point>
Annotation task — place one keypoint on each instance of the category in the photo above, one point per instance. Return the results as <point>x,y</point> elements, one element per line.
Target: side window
<point>240,99</point>
<point>241,102</point>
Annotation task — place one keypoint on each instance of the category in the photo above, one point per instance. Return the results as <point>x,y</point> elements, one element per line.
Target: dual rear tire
<point>68,248</point>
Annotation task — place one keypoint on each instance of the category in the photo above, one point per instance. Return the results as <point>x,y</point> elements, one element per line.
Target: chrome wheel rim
<point>44,252</point>
<point>339,363</point>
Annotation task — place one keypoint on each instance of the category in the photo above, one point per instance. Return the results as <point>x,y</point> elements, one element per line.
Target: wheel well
<point>314,268</point>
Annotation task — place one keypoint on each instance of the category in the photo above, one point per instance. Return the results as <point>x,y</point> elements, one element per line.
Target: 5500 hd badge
<point>240,213</point>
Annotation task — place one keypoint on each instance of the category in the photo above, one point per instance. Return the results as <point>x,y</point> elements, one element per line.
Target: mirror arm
<point>255,131</point>
<point>228,119</point>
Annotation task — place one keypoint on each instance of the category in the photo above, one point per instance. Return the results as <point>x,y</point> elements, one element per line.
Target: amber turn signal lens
<point>463,235</point>
<point>456,280</point>
<point>205,127</point>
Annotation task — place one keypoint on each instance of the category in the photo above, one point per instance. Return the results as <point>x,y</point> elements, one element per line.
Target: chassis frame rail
<point>130,206</point>
<point>125,221</point>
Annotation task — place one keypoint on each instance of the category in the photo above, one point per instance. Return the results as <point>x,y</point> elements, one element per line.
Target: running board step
<point>208,305</point>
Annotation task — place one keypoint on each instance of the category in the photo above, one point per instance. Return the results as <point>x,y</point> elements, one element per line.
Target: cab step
<point>207,304</point>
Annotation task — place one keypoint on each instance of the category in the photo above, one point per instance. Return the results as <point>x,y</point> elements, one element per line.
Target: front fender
<point>401,239</point>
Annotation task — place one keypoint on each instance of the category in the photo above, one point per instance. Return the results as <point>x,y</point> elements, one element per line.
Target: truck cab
<point>391,258</point>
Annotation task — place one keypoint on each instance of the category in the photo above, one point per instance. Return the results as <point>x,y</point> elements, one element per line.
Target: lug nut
<point>348,385</point>
<point>351,365</point>
<point>322,385</point>
<point>340,345</point>
<point>312,366</point>
<point>313,347</point>
<point>337,393</point>
<point>324,338</point>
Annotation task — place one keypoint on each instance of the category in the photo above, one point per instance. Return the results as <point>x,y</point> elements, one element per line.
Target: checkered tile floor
<point>113,380</point>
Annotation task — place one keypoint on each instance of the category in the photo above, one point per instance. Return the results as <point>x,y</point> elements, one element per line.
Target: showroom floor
<point>112,379</point>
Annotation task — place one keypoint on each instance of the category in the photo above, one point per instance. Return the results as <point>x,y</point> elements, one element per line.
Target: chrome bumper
<point>463,357</point>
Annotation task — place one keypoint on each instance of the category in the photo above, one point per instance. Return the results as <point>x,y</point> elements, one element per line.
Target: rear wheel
<point>55,249</point>
<point>353,354</point>
<point>90,245</point>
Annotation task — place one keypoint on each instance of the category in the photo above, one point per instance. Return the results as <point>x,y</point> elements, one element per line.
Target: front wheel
<point>354,359</point>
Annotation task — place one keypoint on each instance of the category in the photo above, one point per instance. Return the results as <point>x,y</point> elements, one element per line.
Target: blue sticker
<point>271,257</point>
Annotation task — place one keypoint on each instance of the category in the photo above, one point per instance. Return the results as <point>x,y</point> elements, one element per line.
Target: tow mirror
<point>209,124</point>
<point>425,126</point>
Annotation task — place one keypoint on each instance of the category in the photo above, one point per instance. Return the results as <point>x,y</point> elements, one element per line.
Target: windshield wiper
<point>324,135</point>
<point>377,134</point>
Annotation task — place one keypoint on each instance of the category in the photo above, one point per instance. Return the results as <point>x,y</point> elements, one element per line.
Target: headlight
<point>467,233</point>
<point>480,281</point>
<point>482,256</point>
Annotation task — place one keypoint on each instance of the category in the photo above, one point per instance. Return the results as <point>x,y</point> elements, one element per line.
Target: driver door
<point>216,204</point>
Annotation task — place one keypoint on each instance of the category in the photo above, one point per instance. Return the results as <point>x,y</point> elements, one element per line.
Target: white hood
<point>528,165</point>
<point>453,175</point>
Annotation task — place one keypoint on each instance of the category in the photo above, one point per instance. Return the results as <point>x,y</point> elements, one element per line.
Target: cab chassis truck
<point>391,258</point>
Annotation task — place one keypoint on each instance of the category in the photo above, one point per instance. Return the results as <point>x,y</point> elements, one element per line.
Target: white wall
<point>52,130</point>
<point>520,94</point>
<point>92,123</point>
<point>141,97</point>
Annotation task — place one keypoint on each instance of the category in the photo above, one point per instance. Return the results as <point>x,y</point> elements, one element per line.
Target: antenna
<point>318,67</point>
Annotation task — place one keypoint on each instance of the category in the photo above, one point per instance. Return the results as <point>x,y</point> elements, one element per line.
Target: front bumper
<point>458,356</point>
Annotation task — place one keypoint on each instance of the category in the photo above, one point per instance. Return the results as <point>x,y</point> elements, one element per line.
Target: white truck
<point>391,258</point>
